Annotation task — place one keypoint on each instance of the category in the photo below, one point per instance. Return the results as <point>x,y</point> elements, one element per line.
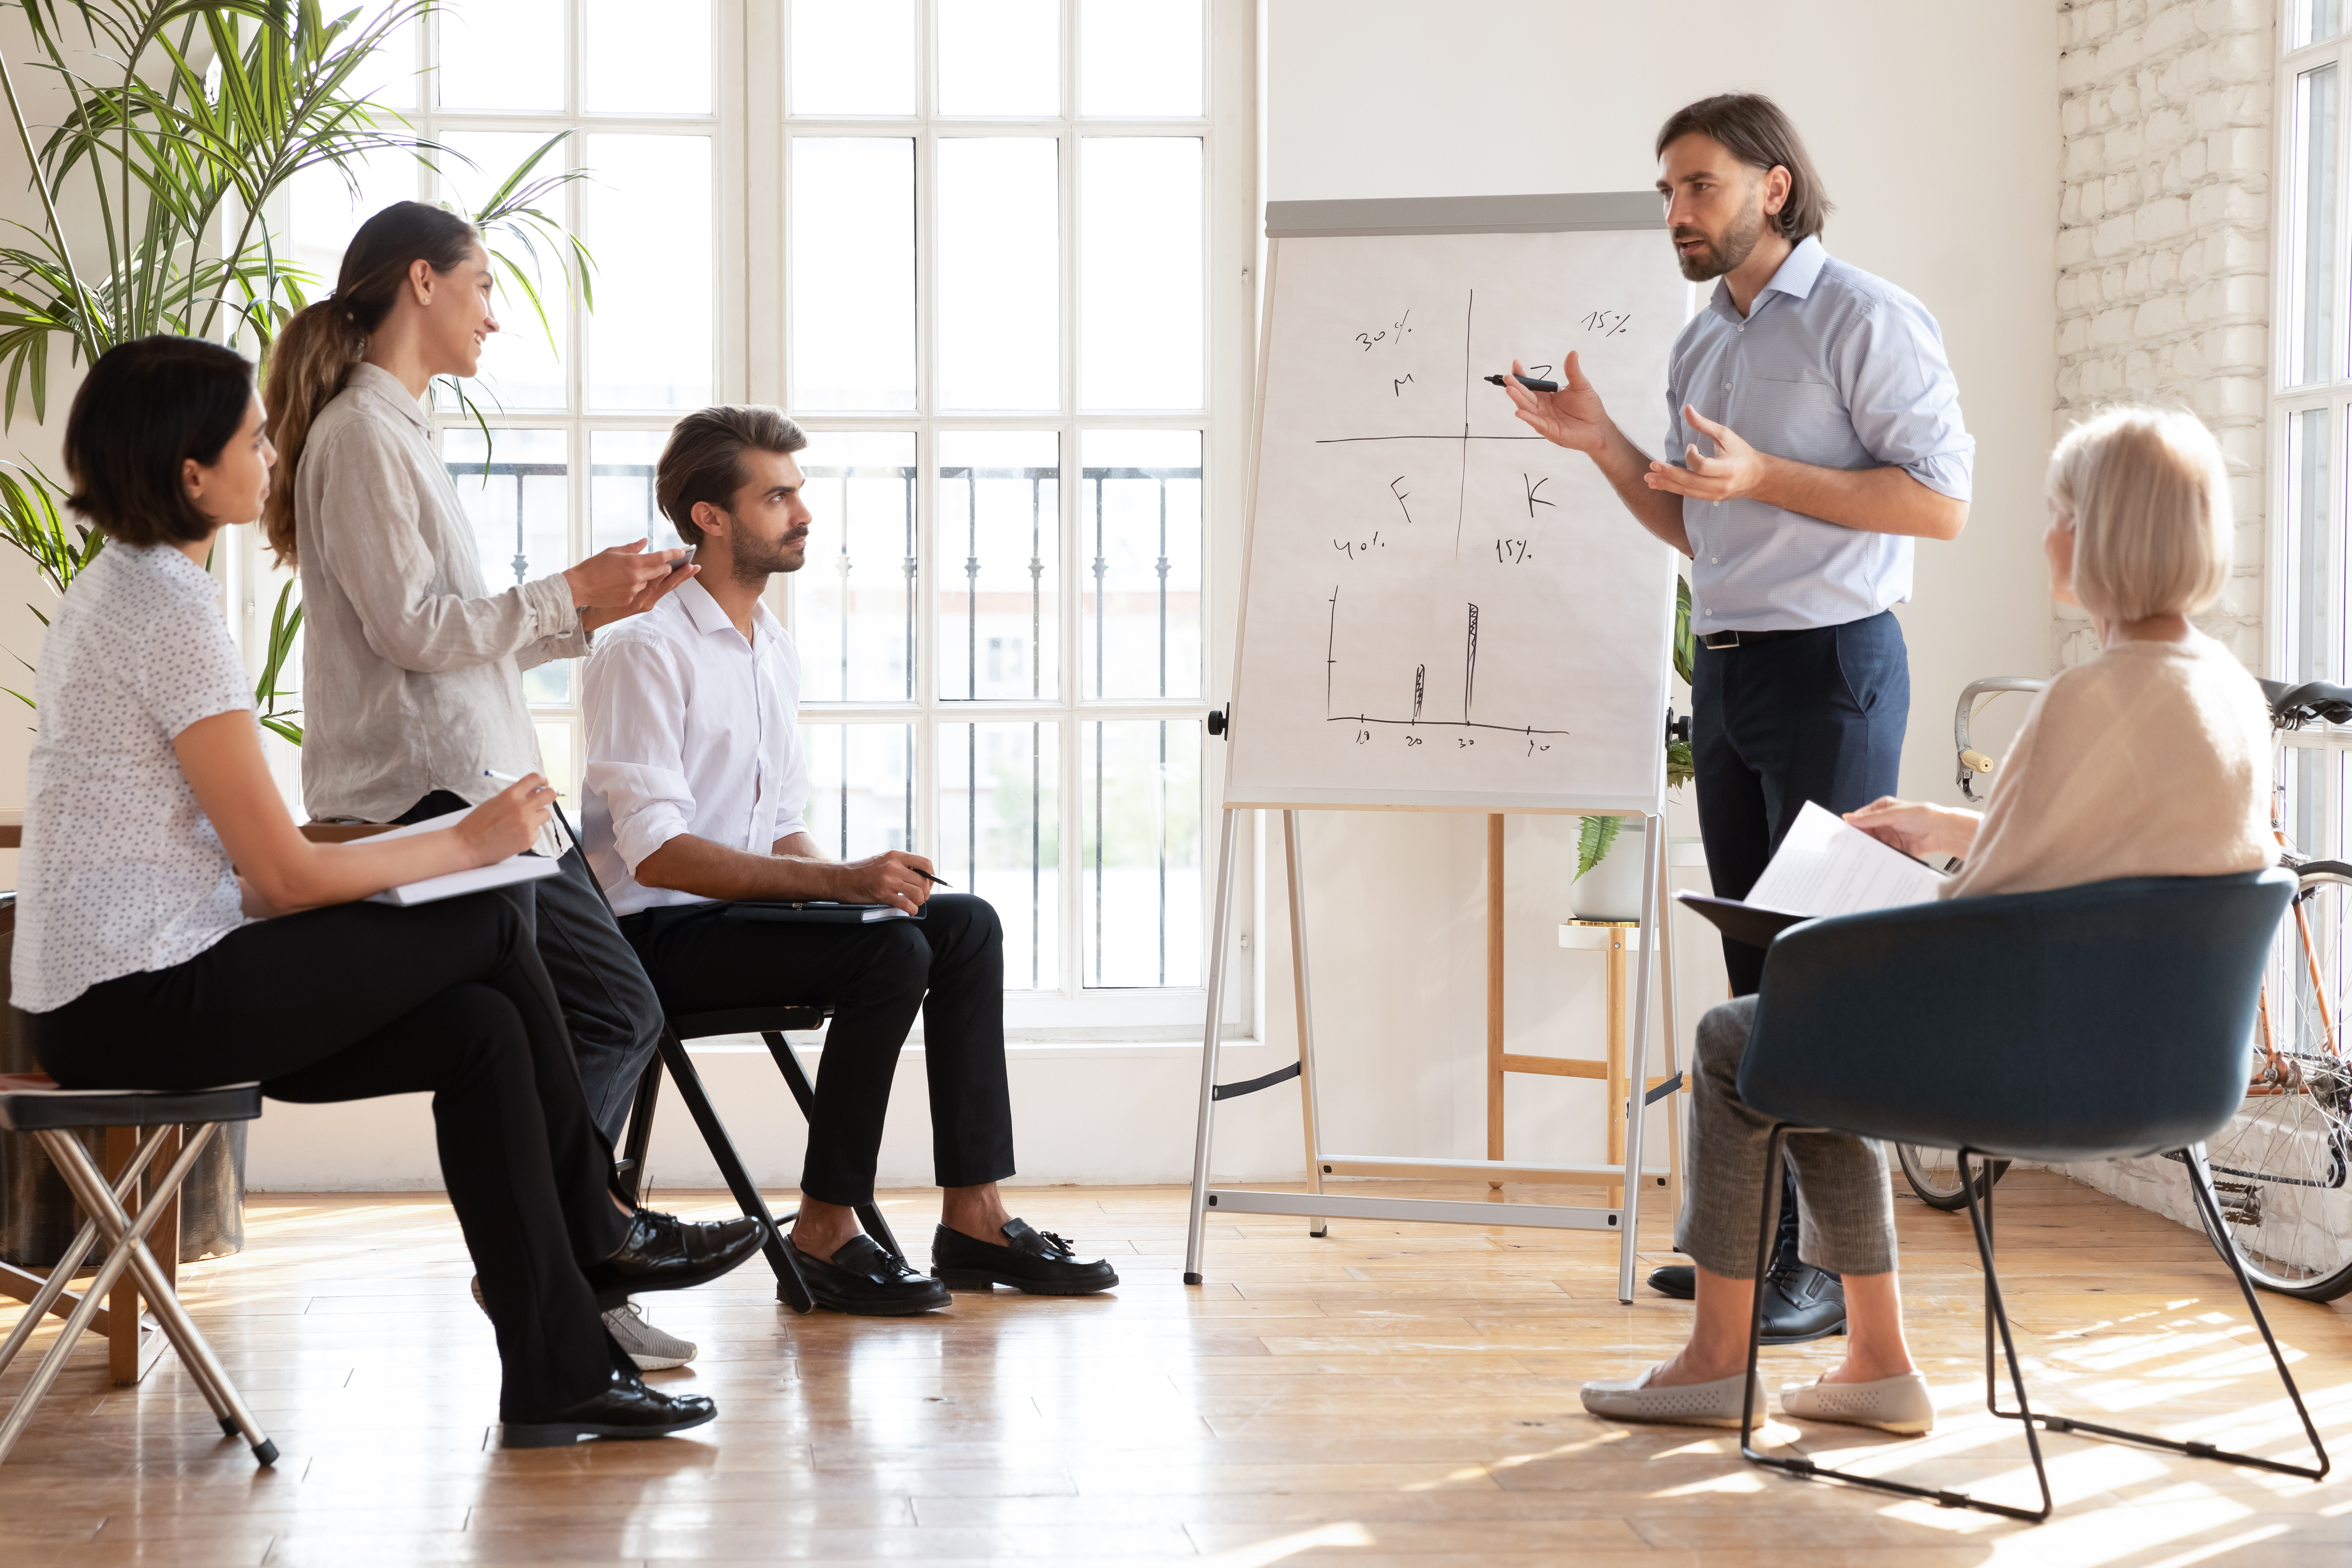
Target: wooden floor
<point>1390,1394</point>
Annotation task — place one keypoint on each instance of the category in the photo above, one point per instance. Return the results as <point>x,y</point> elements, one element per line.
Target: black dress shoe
<point>626,1408</point>
<point>1800,1302</point>
<point>1679,1280</point>
<point>863,1279</point>
<point>666,1253</point>
<point>1036,1262</point>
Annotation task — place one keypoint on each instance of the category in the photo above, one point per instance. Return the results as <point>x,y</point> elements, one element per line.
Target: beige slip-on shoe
<point>1897,1405</point>
<point>1712,1404</point>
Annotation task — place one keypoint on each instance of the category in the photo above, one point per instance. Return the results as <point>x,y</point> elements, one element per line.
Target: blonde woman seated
<point>2151,759</point>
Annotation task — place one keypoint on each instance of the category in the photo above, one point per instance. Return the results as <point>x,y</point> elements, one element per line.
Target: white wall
<point>1939,143</point>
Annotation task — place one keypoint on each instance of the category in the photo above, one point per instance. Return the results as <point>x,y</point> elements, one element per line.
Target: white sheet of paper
<point>1825,867</point>
<point>498,874</point>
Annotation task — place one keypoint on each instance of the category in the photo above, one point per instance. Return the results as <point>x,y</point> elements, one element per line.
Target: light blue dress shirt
<point>1831,367</point>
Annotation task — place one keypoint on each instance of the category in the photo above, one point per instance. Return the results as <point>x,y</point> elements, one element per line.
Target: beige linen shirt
<point>2151,759</point>
<point>411,668</point>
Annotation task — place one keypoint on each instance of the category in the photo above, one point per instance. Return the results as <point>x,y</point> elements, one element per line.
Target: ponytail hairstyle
<point>314,354</point>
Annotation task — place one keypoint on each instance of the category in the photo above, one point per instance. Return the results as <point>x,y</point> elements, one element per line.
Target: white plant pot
<point>1611,890</point>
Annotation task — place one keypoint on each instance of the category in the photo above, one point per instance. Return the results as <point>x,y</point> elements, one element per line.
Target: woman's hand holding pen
<point>508,822</point>
<point>626,580</point>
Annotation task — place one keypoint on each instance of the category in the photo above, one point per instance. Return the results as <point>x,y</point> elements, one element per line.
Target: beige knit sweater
<point>2151,759</point>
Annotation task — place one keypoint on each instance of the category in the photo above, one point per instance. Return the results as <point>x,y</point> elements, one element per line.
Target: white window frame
<point>1228,133</point>
<point>2333,393</point>
<point>751,208</point>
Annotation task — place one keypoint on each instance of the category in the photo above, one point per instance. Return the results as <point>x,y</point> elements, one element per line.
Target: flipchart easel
<point>1554,215</point>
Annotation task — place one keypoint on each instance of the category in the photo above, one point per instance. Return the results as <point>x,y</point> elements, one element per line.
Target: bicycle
<point>2280,1167</point>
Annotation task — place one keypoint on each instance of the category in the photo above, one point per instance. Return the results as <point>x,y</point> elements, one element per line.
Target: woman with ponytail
<point>411,667</point>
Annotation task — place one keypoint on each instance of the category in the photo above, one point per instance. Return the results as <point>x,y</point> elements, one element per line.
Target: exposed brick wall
<point>2164,287</point>
<point>2164,245</point>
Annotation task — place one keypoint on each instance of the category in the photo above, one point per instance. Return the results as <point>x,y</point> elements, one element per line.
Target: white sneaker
<point>651,1349</point>
<point>1898,1404</point>
<point>1712,1404</point>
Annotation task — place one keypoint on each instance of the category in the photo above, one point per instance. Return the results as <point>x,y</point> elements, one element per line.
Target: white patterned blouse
<point>121,870</point>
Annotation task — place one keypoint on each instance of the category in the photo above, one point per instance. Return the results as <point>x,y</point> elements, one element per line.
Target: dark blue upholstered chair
<point>2089,1023</point>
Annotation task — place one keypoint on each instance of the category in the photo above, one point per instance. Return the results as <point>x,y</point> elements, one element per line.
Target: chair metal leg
<point>195,1352</point>
<point>2200,1184</point>
<point>796,1079</point>
<point>791,1288</point>
<point>126,1239</point>
<point>1806,1470</point>
<point>1998,1337</point>
<point>640,1136</point>
<point>68,1264</point>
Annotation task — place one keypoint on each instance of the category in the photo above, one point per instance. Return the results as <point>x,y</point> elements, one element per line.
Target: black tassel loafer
<point>1036,1262</point>
<point>625,1409</point>
<point>666,1253</point>
<point>863,1279</point>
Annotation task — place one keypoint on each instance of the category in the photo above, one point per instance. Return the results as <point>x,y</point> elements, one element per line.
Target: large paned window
<point>973,246</point>
<point>2311,424</point>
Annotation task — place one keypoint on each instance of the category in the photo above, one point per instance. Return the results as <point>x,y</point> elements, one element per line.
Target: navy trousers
<point>1818,716</point>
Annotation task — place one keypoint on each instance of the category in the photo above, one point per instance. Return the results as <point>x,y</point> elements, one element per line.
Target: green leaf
<point>1594,835</point>
<point>1686,639</point>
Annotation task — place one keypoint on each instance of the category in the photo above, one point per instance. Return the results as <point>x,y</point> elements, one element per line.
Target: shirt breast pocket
<point>1805,421</point>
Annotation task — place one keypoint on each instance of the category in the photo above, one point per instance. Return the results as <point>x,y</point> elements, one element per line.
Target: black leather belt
<point>1747,639</point>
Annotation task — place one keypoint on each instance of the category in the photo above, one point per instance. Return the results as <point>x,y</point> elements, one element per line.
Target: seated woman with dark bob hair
<point>2151,758</point>
<point>175,930</point>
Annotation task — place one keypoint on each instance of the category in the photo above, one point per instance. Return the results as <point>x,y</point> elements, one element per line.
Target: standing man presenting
<point>1821,433</point>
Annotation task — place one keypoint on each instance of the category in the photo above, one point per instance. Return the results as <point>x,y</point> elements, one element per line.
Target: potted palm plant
<point>183,121</point>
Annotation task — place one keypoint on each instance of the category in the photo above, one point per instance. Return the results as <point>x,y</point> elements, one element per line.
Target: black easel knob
<point>1216,721</point>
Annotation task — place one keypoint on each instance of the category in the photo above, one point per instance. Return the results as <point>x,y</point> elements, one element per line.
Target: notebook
<point>817,911</point>
<point>523,868</point>
<point>1824,866</point>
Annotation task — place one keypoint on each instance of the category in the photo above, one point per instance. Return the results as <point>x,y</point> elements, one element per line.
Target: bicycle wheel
<point>2279,1166</point>
<point>1935,1175</point>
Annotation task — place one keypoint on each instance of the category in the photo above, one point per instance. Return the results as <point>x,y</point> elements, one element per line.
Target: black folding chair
<point>769,1023</point>
<point>33,1103</point>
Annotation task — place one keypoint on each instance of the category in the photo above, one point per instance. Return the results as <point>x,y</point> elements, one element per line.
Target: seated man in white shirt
<point>696,785</point>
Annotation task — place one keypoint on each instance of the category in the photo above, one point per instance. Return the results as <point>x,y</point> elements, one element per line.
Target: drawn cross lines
<point>1462,440</point>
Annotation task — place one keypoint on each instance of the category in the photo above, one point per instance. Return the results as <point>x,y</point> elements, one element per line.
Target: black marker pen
<point>1530,383</point>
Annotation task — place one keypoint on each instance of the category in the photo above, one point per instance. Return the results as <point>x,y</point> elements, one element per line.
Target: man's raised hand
<point>1735,470</point>
<point>891,878</point>
<point>1571,418</point>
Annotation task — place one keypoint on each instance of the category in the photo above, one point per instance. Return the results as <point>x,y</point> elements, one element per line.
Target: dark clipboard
<point>813,912</point>
<point>1741,922</point>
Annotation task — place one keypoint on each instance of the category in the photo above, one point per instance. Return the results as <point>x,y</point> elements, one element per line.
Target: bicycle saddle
<point>2295,706</point>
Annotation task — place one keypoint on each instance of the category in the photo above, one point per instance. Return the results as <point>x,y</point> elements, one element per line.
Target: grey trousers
<point>608,1002</point>
<point>1845,1207</point>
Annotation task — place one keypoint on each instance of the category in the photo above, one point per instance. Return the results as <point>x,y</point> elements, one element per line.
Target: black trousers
<point>362,1000</point>
<point>609,1005</point>
<point>707,958</point>
<point>1815,717</point>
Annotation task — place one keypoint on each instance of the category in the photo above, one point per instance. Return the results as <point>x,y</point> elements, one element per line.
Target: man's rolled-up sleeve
<point>1903,398</point>
<point>635,705</point>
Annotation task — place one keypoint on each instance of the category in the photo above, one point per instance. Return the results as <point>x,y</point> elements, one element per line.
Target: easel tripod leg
<point>1295,857</point>
<point>1638,1077</point>
<point>1211,1031</point>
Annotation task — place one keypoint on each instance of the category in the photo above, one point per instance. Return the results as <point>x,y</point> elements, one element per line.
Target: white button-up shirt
<point>1832,367</point>
<point>691,729</point>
